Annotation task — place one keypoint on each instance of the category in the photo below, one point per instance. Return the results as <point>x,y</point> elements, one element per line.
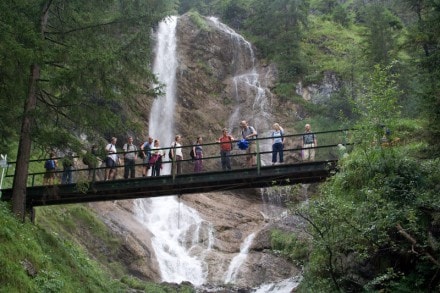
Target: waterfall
<point>247,83</point>
<point>182,241</point>
<point>165,65</point>
<point>178,231</point>
<point>238,260</point>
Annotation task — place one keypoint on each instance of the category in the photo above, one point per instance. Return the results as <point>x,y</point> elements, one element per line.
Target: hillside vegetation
<point>33,259</point>
<point>375,226</point>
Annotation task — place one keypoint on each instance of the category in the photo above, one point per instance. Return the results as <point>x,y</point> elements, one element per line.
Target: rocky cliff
<point>219,83</point>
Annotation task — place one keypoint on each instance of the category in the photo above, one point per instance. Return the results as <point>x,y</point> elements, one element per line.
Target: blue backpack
<point>49,164</point>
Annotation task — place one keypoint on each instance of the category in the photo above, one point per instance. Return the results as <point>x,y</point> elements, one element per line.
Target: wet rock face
<point>212,79</point>
<point>213,71</point>
<point>233,216</point>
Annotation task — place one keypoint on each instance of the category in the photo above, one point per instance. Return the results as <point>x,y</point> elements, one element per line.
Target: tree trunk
<point>24,147</point>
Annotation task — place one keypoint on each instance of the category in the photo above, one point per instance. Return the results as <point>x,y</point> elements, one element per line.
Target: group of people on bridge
<point>152,155</point>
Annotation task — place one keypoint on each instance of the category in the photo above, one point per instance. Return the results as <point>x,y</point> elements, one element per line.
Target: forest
<point>70,68</point>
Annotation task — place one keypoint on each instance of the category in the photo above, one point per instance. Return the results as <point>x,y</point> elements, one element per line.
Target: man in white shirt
<point>112,159</point>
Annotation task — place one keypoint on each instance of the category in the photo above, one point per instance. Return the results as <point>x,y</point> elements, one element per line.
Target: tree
<point>278,27</point>
<point>383,28</point>
<point>374,223</point>
<point>424,45</point>
<point>85,59</point>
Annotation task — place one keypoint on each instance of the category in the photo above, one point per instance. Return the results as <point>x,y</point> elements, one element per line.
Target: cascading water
<point>238,260</point>
<point>165,65</point>
<point>180,238</point>
<point>177,229</point>
<point>247,83</point>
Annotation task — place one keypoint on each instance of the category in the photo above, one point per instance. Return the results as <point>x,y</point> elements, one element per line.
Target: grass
<point>45,257</point>
<point>33,260</point>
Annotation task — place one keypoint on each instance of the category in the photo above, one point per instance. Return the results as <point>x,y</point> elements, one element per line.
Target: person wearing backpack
<point>309,143</point>
<point>198,155</point>
<point>51,167</point>
<point>68,167</point>
<point>130,156</point>
<point>145,151</point>
<point>250,134</point>
<point>277,143</point>
<point>225,149</point>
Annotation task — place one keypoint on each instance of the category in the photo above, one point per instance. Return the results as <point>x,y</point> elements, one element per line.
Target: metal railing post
<point>258,156</point>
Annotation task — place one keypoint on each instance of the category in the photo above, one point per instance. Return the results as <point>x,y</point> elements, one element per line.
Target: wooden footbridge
<point>293,171</point>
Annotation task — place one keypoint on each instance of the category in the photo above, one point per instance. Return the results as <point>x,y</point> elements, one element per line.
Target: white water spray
<point>165,65</point>
<point>247,83</point>
<point>239,259</point>
<point>180,238</point>
<point>178,231</point>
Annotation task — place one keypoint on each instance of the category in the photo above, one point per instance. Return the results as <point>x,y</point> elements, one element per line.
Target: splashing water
<point>238,260</point>
<point>177,231</point>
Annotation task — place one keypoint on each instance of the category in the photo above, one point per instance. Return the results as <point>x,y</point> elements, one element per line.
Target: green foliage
<point>198,20</point>
<point>381,203</point>
<point>295,249</point>
<point>93,58</point>
<point>35,261</point>
<point>377,107</point>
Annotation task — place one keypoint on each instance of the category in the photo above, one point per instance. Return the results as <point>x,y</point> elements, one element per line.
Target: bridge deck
<point>145,187</point>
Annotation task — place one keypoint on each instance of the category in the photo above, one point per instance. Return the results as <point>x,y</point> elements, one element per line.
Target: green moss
<point>198,20</point>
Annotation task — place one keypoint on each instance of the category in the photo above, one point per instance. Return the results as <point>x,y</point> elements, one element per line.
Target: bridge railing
<point>330,145</point>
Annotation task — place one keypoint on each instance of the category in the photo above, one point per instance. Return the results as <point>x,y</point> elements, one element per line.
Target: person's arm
<point>125,149</point>
<point>254,132</point>
<point>315,141</point>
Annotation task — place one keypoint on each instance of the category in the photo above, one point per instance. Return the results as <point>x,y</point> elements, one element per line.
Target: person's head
<point>243,124</point>
<point>113,140</point>
<point>276,126</point>
<point>177,137</point>
<point>130,140</point>
<point>307,127</point>
<point>199,139</point>
<point>225,131</point>
<point>52,154</point>
<point>150,139</point>
<point>156,142</point>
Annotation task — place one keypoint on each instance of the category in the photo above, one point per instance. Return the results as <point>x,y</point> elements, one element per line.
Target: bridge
<point>264,174</point>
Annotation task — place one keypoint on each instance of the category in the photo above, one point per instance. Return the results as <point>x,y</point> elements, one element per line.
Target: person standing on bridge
<point>146,150</point>
<point>51,168</point>
<point>156,158</point>
<point>277,143</point>
<point>198,155</point>
<point>176,152</point>
<point>225,149</point>
<point>68,167</point>
<point>112,159</point>
<point>250,134</point>
<point>130,156</point>
<point>309,143</point>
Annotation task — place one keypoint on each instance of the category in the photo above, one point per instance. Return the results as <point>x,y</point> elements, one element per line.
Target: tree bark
<point>24,147</point>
